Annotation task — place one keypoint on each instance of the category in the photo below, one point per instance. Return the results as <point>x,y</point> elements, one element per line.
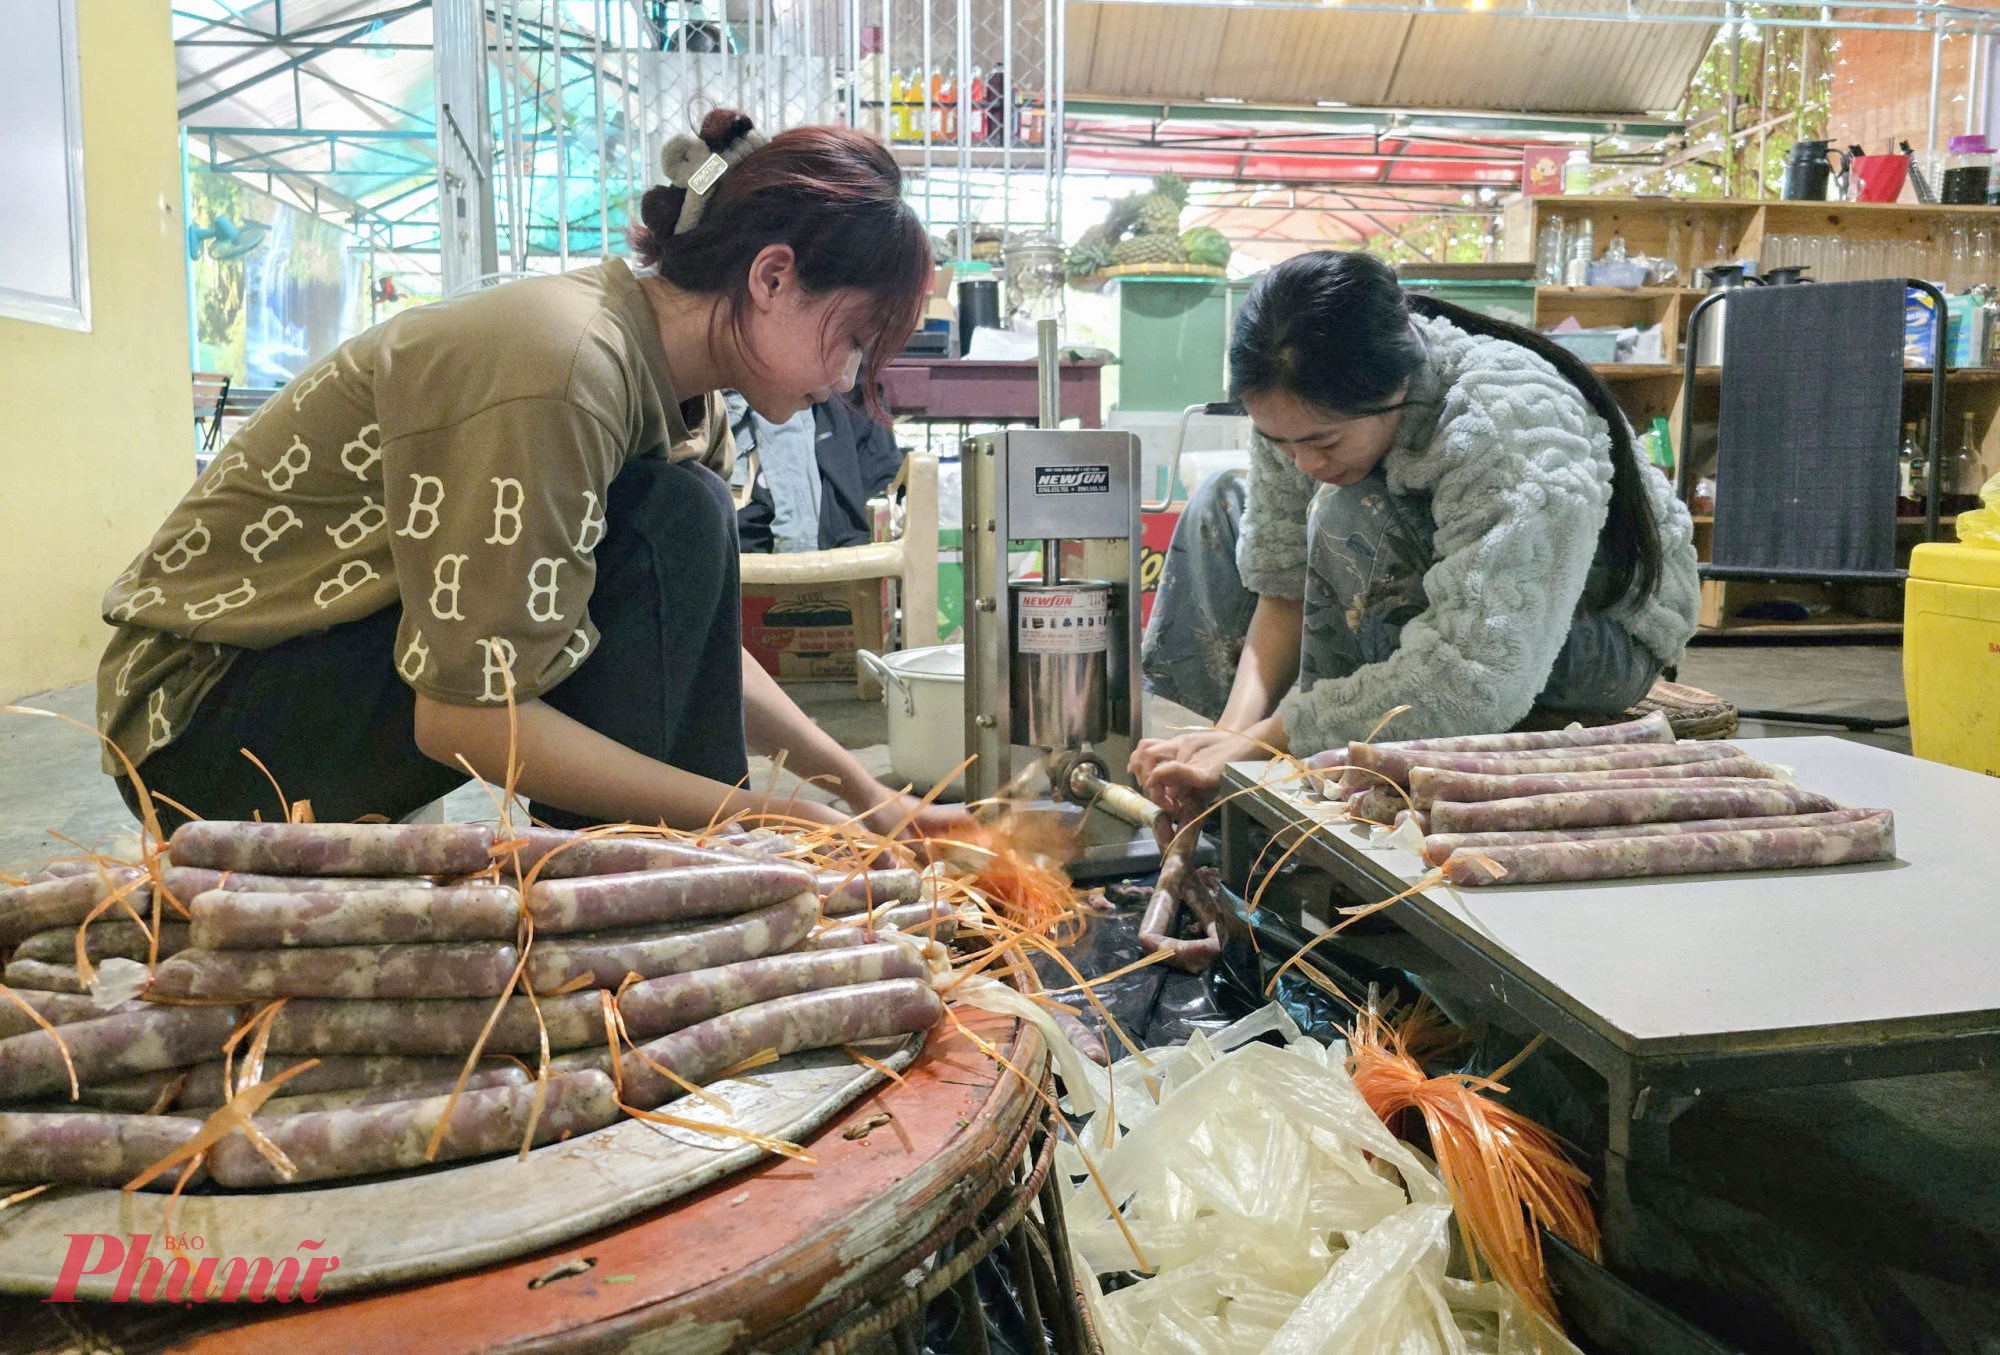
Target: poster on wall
<point>273,288</point>
<point>43,270</point>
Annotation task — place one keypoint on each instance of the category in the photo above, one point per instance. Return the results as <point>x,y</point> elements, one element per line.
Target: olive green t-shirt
<point>455,458</point>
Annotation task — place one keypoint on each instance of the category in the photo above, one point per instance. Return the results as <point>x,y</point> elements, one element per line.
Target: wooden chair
<point>912,560</point>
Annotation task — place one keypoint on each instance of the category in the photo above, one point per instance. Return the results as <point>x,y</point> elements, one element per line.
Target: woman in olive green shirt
<point>512,496</point>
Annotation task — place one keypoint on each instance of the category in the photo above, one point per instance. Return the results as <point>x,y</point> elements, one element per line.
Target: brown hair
<point>834,195</point>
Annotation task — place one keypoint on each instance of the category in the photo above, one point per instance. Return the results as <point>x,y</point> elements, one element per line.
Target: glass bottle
<point>1906,473</point>
<point>1548,252</point>
<point>1962,479</point>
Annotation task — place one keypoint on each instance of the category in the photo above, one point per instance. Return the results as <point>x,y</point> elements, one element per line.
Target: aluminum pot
<point>925,689</point>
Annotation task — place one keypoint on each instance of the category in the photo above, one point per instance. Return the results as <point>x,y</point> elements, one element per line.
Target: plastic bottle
<point>902,130</point>
<point>1576,173</point>
<point>993,113</point>
<point>1968,170</point>
<point>975,105</point>
<point>1548,252</point>
<point>947,101</point>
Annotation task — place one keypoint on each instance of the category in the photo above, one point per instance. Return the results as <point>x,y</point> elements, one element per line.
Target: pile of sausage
<point>391,963</point>
<point>1613,802</point>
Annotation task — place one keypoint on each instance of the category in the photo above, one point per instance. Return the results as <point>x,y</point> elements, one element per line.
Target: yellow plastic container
<point>1951,655</point>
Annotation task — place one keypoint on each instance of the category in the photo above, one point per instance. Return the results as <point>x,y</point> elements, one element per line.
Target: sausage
<point>602,902</point>
<point>1554,784</point>
<point>1156,925</point>
<point>1591,808</point>
<point>228,920</point>
<point>62,870</point>
<point>831,1016</point>
<point>62,902</point>
<point>435,1025</point>
<point>187,883</point>
<point>112,1047</point>
<point>110,938</point>
<point>608,957</point>
<point>1420,817</point>
<point>580,855</point>
<point>329,1073</point>
<point>89,1148</point>
<point>1396,765</point>
<point>1870,838</point>
<point>1438,847</point>
<point>392,1137</point>
<point>1438,783</point>
<point>1653,728</point>
<point>333,848</point>
<point>350,1097</point>
<point>132,1095</point>
<point>465,970</point>
<point>1377,804</point>
<point>41,976</point>
<point>676,1001</point>
<point>843,893</point>
<point>58,1009</point>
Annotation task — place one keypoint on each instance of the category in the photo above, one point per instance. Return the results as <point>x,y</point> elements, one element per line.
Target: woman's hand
<point>893,813</point>
<point>1180,774</point>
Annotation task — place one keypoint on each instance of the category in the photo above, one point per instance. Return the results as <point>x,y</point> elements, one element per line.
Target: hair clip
<point>704,178</point>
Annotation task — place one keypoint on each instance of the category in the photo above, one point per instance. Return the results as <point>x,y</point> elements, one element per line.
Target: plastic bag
<point>1981,526</point>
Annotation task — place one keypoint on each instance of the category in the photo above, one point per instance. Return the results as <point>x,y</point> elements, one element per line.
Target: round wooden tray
<point>782,1248</point>
<point>421,1225</point>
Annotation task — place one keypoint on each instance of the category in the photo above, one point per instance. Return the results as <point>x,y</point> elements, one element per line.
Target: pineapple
<point>1092,253</point>
<point>1160,210</point>
<point>1150,249</point>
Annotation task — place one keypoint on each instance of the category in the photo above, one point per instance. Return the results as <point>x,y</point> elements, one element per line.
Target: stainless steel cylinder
<point>1061,663</point>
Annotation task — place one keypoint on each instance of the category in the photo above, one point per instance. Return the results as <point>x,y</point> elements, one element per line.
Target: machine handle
<point>1213,409</point>
<point>888,677</point>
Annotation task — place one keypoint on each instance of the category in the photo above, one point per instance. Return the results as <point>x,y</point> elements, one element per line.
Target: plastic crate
<point>1951,655</point>
<point>1502,299</point>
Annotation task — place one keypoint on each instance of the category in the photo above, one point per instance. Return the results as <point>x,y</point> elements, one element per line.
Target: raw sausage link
<point>1567,784</point>
<point>435,1025</point>
<point>187,883</point>
<point>392,1137</point>
<point>609,957</point>
<point>1378,804</point>
<point>1653,728</point>
<point>348,1098</point>
<point>89,1148</point>
<point>131,1095</point>
<point>1396,765</point>
<point>117,938</point>
<point>1867,839</point>
<point>1439,783</point>
<point>648,898</point>
<point>228,920</point>
<point>679,1000</point>
<point>1420,817</point>
<point>1591,808</point>
<point>843,893</point>
<point>582,855</point>
<point>466,970</point>
<point>1438,847</point>
<point>58,1009</point>
<point>62,870</point>
<point>831,1016</point>
<point>329,1073</point>
<point>40,976</point>
<point>63,902</point>
<point>112,1048</point>
<point>333,848</point>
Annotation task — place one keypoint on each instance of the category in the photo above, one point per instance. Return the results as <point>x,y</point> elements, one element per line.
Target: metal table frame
<point>1650,1082</point>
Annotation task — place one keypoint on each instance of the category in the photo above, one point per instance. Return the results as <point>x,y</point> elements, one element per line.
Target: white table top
<point>1688,957</point>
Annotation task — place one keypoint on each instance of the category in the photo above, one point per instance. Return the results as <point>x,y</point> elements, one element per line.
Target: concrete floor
<point>51,784</point>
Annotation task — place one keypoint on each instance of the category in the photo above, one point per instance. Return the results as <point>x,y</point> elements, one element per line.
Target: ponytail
<point>1334,329</point>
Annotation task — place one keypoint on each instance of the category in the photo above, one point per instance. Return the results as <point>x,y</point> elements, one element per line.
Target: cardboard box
<point>809,631</point>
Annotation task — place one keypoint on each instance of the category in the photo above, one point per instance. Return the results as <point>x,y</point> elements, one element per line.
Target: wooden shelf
<point>1636,293</point>
<point>1919,376</point>
<point>1833,623</point>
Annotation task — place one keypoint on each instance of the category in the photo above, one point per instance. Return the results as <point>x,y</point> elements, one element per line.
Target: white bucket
<point>925,689</point>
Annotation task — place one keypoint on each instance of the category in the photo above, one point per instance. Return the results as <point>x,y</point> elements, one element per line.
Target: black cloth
<point>1812,395</point>
<point>857,457</point>
<point>331,718</point>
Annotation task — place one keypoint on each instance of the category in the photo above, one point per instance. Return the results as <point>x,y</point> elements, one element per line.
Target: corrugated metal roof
<point>1494,60</point>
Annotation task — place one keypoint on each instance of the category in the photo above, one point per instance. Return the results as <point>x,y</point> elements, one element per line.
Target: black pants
<point>328,714</point>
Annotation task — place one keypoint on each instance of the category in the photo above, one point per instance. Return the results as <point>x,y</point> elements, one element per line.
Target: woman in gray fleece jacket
<point>1443,511</point>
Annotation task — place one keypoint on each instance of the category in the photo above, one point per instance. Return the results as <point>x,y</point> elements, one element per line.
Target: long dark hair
<point>1334,330</point>
<point>835,195</point>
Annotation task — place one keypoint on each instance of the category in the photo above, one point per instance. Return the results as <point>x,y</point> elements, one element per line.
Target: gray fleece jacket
<point>1518,467</point>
